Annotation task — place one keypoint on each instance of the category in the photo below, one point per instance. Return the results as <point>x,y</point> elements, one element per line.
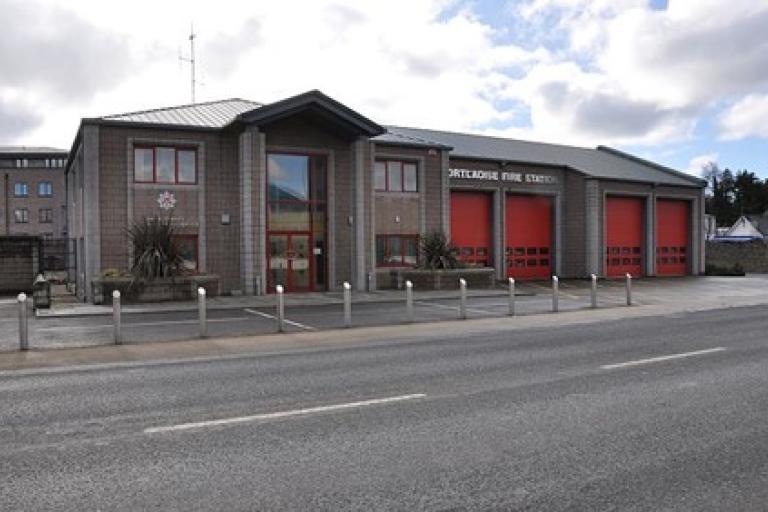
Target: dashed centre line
<point>659,359</point>
<point>282,414</point>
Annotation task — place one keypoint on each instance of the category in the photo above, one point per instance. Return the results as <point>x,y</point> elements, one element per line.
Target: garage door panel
<point>529,237</point>
<point>471,223</point>
<point>624,236</point>
<point>672,239</point>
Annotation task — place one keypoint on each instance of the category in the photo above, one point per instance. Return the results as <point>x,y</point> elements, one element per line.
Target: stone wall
<point>752,256</point>
<point>443,279</point>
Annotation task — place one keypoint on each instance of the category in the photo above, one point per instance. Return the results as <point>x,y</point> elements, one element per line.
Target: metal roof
<point>600,162</point>
<point>31,150</point>
<point>212,114</point>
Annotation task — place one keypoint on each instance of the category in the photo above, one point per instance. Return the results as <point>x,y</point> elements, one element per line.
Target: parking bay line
<point>282,414</point>
<point>454,308</point>
<point>659,359</point>
<point>273,317</point>
<point>139,324</point>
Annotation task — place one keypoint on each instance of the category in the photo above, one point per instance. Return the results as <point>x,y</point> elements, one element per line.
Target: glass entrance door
<point>289,262</point>
<point>296,221</point>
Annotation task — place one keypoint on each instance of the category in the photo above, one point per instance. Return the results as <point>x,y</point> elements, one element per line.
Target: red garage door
<point>471,224</point>
<point>529,237</point>
<point>624,236</point>
<point>672,237</point>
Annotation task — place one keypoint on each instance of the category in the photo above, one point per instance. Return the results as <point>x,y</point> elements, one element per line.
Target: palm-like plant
<point>156,254</point>
<point>438,253</point>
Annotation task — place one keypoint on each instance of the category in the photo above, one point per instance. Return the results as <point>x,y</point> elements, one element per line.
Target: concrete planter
<point>443,279</point>
<point>160,290</point>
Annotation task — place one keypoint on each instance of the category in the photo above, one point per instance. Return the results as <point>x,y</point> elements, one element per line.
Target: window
<point>21,189</point>
<point>165,164</point>
<point>395,176</point>
<point>21,215</point>
<point>45,215</point>
<point>54,162</point>
<point>397,250</point>
<point>44,189</point>
<point>188,249</point>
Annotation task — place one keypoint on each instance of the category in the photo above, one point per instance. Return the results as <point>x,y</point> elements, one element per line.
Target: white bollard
<point>629,289</point>
<point>593,291</point>
<point>409,301</point>
<point>347,304</point>
<point>280,308</point>
<point>23,325</point>
<point>511,296</point>
<point>202,313</point>
<point>117,318</point>
<point>555,294</point>
<point>462,299</point>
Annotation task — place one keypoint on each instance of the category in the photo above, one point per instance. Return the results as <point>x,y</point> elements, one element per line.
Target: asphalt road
<point>576,418</point>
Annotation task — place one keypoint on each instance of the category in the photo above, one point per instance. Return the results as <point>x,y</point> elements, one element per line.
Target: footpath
<point>659,298</point>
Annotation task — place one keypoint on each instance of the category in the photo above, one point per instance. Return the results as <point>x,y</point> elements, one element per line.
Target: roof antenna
<point>191,58</point>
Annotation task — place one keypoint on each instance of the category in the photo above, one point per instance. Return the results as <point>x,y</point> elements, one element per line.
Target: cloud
<point>572,71</point>
<point>223,52</point>
<point>630,74</point>
<point>746,118</point>
<point>16,119</point>
<point>698,164</point>
<point>55,52</point>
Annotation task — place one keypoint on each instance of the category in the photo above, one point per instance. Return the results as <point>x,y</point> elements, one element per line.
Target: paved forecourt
<point>180,321</point>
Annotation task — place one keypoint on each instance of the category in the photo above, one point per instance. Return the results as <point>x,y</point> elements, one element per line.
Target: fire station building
<point>308,193</point>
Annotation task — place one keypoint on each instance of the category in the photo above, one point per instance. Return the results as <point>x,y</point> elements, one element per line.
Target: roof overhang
<point>318,105</point>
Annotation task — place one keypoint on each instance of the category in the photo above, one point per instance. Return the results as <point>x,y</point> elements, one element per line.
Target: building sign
<point>506,176</point>
<point>166,200</point>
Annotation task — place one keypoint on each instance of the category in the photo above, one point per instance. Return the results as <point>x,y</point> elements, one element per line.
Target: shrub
<point>156,253</point>
<point>437,253</point>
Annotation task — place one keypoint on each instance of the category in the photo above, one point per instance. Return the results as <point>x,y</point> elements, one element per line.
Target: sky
<point>680,82</point>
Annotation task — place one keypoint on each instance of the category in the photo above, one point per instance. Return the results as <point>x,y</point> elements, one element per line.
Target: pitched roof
<point>31,150</point>
<point>318,104</point>
<point>759,221</point>
<point>212,114</point>
<point>600,162</point>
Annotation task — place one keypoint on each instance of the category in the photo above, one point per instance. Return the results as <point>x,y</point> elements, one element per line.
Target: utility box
<point>41,293</point>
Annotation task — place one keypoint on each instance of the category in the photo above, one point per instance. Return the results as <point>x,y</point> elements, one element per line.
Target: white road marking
<point>453,308</point>
<point>658,359</point>
<point>282,414</point>
<point>273,317</point>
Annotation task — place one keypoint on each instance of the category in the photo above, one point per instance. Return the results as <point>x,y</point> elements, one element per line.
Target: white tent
<point>743,228</point>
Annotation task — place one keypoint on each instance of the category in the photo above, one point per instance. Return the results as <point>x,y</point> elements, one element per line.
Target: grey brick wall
<point>200,207</point>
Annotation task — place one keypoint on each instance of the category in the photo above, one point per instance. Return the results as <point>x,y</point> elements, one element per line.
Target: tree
<point>730,195</point>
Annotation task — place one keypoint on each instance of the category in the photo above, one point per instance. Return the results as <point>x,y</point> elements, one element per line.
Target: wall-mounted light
<point>226,219</point>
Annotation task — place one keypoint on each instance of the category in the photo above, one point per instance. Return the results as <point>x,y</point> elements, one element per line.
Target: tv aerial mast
<point>191,59</point>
